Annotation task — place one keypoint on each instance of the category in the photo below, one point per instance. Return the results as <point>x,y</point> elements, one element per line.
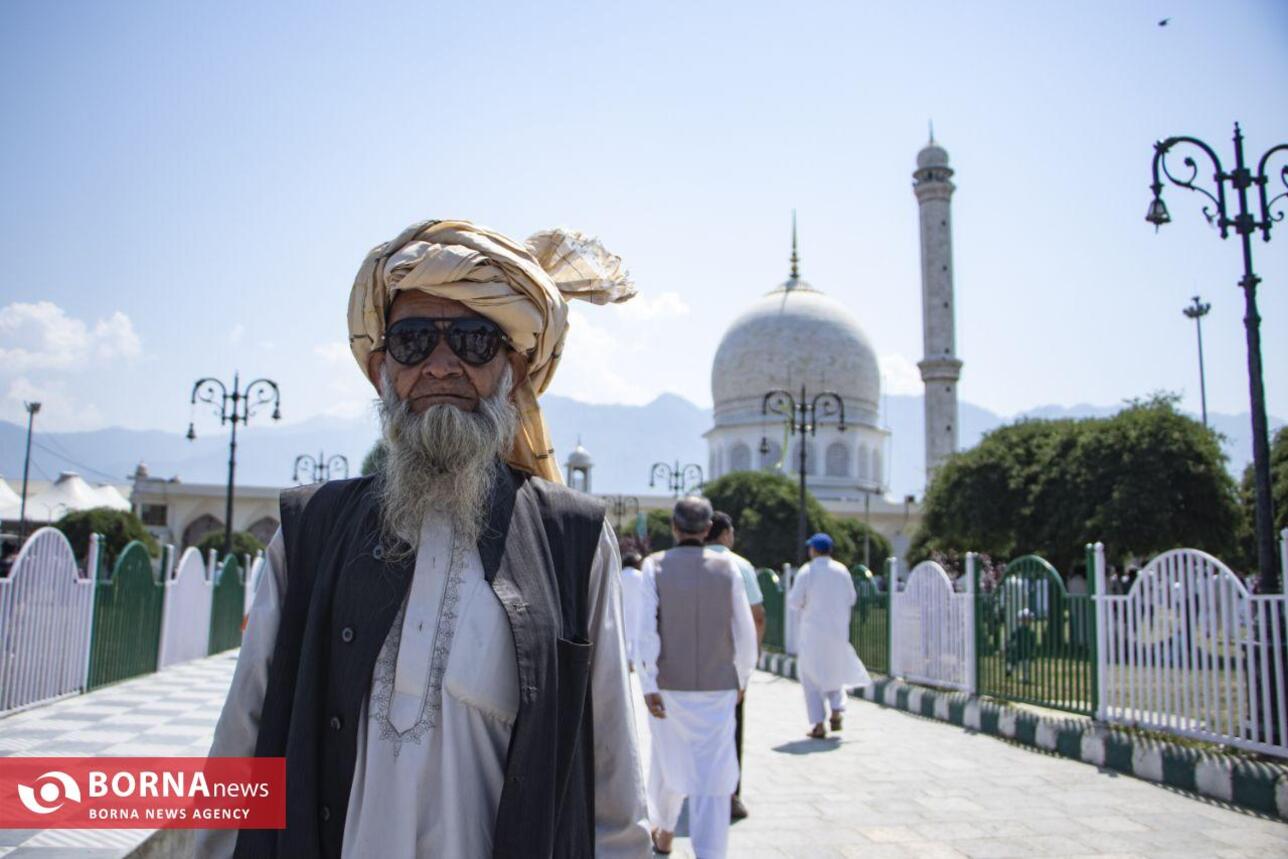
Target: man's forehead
<point>416,303</point>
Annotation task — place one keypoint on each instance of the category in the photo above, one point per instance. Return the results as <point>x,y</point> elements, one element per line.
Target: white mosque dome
<point>795,335</point>
<point>580,457</point>
<point>933,155</point>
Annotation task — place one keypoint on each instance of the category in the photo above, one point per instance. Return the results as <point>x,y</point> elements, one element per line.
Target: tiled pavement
<point>890,785</point>
<point>897,785</point>
<point>168,714</point>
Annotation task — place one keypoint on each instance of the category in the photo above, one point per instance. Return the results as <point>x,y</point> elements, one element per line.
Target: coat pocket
<point>574,710</point>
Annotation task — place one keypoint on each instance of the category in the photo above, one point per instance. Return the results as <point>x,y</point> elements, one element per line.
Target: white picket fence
<point>46,607</point>
<point>932,635</point>
<point>188,595</point>
<point>1189,651</point>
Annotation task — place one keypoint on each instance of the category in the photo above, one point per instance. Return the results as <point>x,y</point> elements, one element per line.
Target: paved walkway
<point>891,785</point>
<point>897,785</point>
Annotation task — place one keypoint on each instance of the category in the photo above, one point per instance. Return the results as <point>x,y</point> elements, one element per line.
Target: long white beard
<point>443,460</point>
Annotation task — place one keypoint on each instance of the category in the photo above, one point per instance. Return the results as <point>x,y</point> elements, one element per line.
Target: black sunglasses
<point>475,341</point>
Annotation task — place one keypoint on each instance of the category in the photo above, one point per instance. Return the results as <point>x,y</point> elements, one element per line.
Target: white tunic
<point>435,727</point>
<point>824,595</point>
<point>632,592</point>
<point>694,745</point>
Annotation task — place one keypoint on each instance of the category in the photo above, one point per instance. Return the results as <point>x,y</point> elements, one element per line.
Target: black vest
<point>341,599</point>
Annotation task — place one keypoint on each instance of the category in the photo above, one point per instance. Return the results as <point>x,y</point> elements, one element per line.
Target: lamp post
<point>234,408</point>
<point>31,408</point>
<point>802,416</point>
<point>620,504</point>
<point>1197,311</point>
<point>678,478</point>
<point>318,468</point>
<point>1245,223</point>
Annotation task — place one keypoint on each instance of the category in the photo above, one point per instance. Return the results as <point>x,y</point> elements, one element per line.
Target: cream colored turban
<point>523,288</point>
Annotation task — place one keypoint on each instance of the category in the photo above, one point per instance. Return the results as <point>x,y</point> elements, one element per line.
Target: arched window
<point>838,459</point>
<point>770,458</point>
<point>200,527</point>
<point>811,467</point>
<point>264,529</point>
<point>863,462</point>
<point>876,466</point>
<point>740,457</point>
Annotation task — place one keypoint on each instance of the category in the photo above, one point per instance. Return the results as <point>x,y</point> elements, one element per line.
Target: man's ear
<point>375,363</point>
<point>518,366</point>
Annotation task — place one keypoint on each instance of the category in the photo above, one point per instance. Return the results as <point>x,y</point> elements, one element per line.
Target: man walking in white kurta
<point>697,649</point>
<point>824,595</point>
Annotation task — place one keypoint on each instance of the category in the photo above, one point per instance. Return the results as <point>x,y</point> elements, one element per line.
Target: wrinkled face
<point>442,378</point>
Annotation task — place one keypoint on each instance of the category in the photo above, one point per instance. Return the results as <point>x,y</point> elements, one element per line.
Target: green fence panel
<point>772,590</point>
<point>1034,640</point>
<point>126,634</point>
<point>226,605</point>
<point>870,621</point>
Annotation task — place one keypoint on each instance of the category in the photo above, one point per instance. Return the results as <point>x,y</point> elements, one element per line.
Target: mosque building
<point>799,340</point>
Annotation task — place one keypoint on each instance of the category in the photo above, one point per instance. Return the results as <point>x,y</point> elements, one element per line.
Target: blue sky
<point>189,188</point>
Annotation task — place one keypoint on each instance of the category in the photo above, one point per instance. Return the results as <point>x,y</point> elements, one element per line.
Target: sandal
<point>657,836</point>
<point>836,721</point>
<point>818,732</point>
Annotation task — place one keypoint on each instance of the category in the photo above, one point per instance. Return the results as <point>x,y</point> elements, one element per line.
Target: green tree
<point>1142,481</point>
<point>764,508</point>
<point>847,534</point>
<point>117,527</point>
<point>1278,496</point>
<point>244,543</point>
<point>658,523</point>
<point>375,459</point>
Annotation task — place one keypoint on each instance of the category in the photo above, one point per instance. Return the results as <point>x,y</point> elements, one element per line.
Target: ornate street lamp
<point>620,504</point>
<point>803,416</point>
<point>319,468</point>
<point>31,408</point>
<point>234,408</point>
<point>1197,311</point>
<point>1245,223</point>
<point>677,478</point>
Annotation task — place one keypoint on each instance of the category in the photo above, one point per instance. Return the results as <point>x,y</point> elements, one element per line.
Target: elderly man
<point>824,594</point>
<point>720,540</point>
<point>697,649</point>
<point>429,645</point>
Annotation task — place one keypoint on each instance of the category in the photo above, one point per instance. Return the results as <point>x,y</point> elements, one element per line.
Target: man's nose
<point>442,363</point>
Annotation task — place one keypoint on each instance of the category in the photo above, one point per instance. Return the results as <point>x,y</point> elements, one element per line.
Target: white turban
<point>522,288</point>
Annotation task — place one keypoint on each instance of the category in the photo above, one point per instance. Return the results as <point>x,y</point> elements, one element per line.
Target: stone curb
<point>1255,785</point>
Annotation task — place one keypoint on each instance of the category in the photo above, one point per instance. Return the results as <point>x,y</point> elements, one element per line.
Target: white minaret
<point>940,369</point>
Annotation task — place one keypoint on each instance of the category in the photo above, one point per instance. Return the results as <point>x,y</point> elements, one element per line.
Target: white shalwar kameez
<point>824,595</point>
<point>435,727</point>
<point>632,590</point>
<point>693,751</point>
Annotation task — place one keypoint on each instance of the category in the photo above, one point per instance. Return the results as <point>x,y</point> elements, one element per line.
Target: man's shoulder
<point>320,498</point>
<point>558,498</point>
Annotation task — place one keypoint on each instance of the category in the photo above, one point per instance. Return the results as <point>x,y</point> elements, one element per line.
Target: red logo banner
<point>142,793</point>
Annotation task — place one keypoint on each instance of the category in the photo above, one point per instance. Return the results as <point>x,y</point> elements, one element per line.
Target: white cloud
<point>236,334</point>
<point>593,362</point>
<point>900,375</point>
<point>644,308</point>
<point>41,336</point>
<point>349,395</point>
<point>59,411</point>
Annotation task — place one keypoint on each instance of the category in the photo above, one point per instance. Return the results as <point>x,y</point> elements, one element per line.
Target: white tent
<point>10,502</point>
<point>68,493</point>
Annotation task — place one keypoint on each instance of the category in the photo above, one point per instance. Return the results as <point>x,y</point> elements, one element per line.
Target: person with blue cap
<point>823,594</point>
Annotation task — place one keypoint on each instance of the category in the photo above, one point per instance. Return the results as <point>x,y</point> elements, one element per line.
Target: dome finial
<point>932,132</point>
<point>795,258</point>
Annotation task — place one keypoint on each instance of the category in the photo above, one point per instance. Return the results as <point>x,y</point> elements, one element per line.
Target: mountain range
<point>623,440</point>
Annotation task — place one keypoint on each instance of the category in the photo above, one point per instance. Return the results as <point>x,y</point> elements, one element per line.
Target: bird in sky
<point>1163,23</point>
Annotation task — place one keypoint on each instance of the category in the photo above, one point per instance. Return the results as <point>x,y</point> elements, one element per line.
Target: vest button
<point>326,813</point>
<point>336,724</point>
<point>346,634</point>
<point>378,553</point>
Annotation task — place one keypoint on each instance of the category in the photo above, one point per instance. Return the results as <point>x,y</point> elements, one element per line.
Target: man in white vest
<point>696,651</point>
<point>824,595</point>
